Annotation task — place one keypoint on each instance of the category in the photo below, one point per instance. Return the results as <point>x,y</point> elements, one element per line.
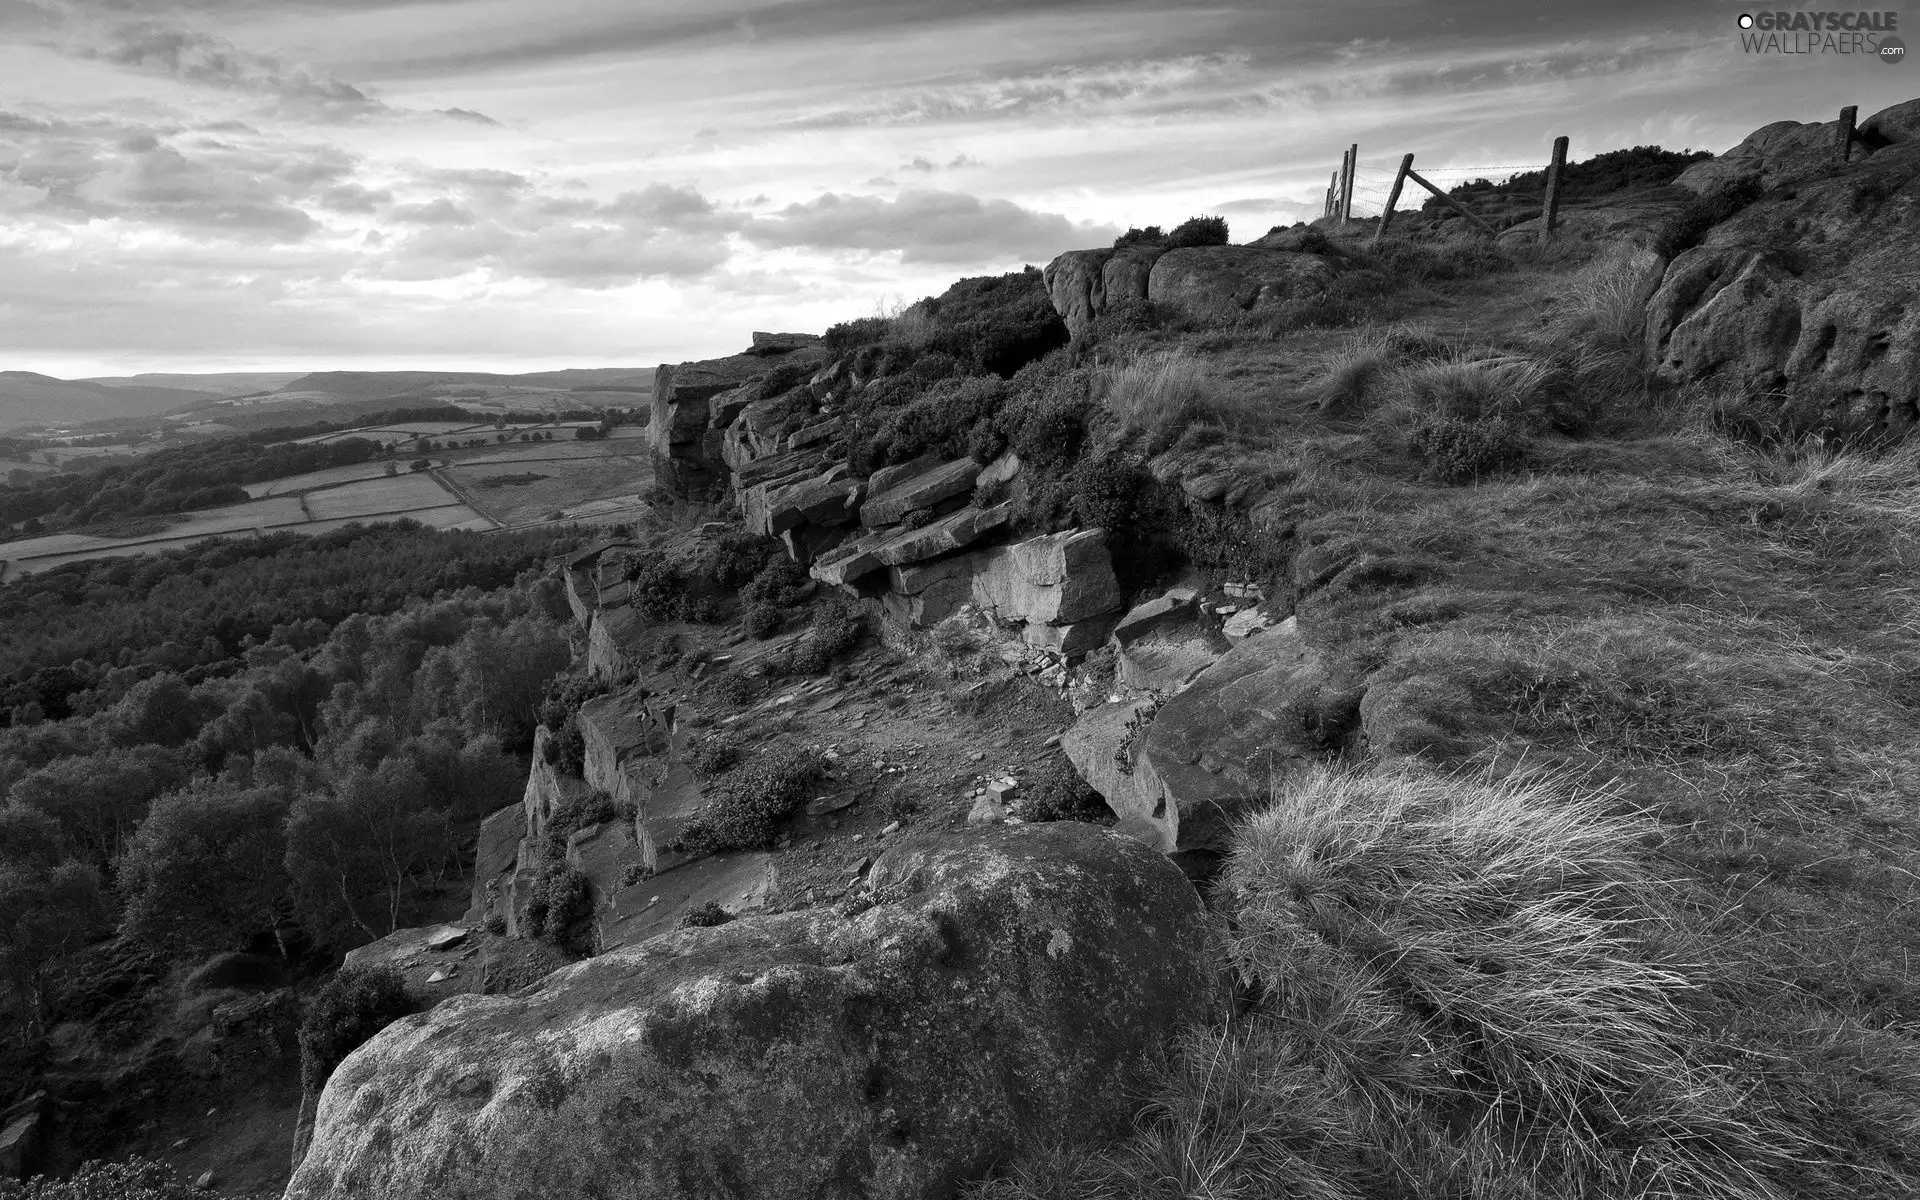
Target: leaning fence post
<point>1455,205</point>
<point>1333,192</point>
<point>1843,137</point>
<point>1393,198</point>
<point>1346,184</point>
<point>1550,217</point>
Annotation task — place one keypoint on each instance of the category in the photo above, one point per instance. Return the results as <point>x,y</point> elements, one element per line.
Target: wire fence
<point>1372,186</point>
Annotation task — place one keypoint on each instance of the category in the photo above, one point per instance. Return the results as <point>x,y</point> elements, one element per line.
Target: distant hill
<point>29,399</point>
<point>232,383</point>
<point>380,385</point>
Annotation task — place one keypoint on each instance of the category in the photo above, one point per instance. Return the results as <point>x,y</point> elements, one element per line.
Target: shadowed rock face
<point>1811,294</point>
<point>1011,983</point>
<point>1086,284</point>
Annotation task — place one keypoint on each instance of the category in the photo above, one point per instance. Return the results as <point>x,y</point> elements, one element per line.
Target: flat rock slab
<point>430,974</point>
<point>739,883</point>
<point>1010,984</point>
<point>890,498</point>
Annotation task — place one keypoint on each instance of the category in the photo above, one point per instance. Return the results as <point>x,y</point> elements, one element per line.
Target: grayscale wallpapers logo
<point>1855,34</point>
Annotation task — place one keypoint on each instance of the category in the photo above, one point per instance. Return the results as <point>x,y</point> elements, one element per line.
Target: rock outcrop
<point>1809,296</point>
<point>1178,772</point>
<point>1219,279</point>
<point>686,456</point>
<point>1086,284</point>
<point>1010,984</point>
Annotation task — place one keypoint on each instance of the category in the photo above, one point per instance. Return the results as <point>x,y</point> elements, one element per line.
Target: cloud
<point>466,114</point>
<point>924,226</point>
<point>249,189</point>
<point>213,61</point>
<point>438,212</point>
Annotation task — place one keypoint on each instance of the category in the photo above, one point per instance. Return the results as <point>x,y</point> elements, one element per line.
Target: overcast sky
<point>523,184</point>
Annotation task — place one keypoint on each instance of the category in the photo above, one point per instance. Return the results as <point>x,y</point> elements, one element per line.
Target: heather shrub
<point>746,805</point>
<point>781,583</point>
<point>716,753</point>
<point>137,1178</point>
<point>580,811</point>
<point>1152,235</point>
<point>763,620</point>
<point>1055,792</point>
<point>561,898</point>
<point>705,916</point>
<point>1198,231</point>
<point>355,1004</point>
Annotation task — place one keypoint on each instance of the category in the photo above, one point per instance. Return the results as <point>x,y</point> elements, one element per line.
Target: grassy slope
<point>1716,637</point>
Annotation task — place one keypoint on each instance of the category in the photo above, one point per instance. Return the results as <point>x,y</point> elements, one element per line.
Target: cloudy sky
<point>523,184</point>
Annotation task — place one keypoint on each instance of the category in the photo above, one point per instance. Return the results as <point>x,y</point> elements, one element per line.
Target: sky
<point>517,185</point>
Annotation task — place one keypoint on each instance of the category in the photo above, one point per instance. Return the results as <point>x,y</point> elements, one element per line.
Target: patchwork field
<point>306,509</point>
<point>332,476</point>
<point>377,497</point>
<point>590,479</point>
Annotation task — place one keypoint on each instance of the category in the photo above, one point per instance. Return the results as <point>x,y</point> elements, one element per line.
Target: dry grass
<point>1605,303</point>
<point>1160,394</point>
<point>1460,991</point>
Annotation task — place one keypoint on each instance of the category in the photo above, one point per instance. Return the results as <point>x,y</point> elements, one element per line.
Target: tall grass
<point>1160,393</point>
<point>1459,991</point>
<point>1605,302</point>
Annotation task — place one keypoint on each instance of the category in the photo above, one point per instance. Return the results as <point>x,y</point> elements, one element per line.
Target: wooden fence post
<point>1346,184</point>
<point>1843,137</point>
<point>1550,215</point>
<point>1393,198</point>
<point>1450,202</point>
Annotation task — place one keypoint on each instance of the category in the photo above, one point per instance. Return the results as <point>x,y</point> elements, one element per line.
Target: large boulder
<point>1011,985</point>
<point>1810,297</point>
<point>1890,126</point>
<point>1179,776</point>
<point>1770,156</point>
<point>1054,579</point>
<point>1077,286</point>
<point>1223,279</point>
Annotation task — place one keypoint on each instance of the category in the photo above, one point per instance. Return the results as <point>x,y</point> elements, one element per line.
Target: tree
<point>45,916</point>
<point>206,869</point>
<point>504,674</point>
<point>354,849</point>
<point>97,799</point>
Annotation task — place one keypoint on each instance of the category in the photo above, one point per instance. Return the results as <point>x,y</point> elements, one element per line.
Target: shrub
<point>854,334</point>
<point>995,324</point>
<point>835,629</point>
<point>1046,422</point>
<point>940,422</point>
<point>1198,231</point>
<point>715,753</point>
<point>763,620</point>
<point>705,916</point>
<point>1689,226</point>
<point>745,808</point>
<point>1152,235</point>
<point>559,898</point>
<point>135,1179</point>
<point>577,812</point>
<point>496,924</point>
<point>736,556</point>
<point>1055,792</point>
<point>780,583</point>
<point>355,1004</point>
<point>735,689</point>
<point>660,588</point>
